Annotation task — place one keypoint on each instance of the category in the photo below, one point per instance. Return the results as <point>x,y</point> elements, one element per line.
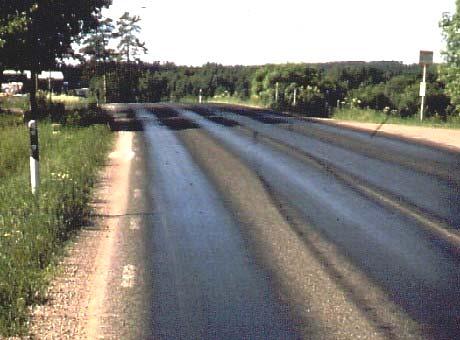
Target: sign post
<point>200,97</point>
<point>426,58</point>
<point>34,157</point>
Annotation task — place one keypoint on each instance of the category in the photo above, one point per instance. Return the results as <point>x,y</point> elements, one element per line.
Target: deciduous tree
<point>450,71</point>
<point>37,32</point>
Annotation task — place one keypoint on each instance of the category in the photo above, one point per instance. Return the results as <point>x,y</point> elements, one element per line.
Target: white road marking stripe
<point>134,223</point>
<point>128,277</point>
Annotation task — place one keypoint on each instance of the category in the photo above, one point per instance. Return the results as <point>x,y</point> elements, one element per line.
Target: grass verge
<point>373,116</point>
<point>34,229</point>
<point>253,101</point>
<point>22,102</point>
<point>16,102</point>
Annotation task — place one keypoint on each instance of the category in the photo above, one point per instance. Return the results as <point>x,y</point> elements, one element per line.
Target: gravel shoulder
<point>75,297</point>
<point>437,137</point>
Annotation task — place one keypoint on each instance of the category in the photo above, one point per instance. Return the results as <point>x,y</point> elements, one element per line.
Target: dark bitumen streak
<point>442,158</point>
<point>205,283</point>
<point>417,273</point>
<point>436,196</point>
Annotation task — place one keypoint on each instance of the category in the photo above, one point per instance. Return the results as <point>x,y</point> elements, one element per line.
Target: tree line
<point>314,89</point>
<point>42,32</point>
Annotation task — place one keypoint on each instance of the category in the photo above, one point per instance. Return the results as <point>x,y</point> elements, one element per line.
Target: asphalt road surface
<point>268,226</point>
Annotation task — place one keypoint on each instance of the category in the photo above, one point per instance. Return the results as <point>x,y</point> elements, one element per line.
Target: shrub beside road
<point>33,229</point>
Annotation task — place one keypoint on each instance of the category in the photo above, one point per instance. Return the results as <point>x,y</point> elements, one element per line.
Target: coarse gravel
<point>82,272</point>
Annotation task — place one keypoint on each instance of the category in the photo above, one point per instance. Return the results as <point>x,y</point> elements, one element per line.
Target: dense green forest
<point>317,88</point>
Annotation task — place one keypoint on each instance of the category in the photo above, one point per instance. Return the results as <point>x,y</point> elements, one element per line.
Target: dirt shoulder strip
<point>430,136</point>
<point>76,294</point>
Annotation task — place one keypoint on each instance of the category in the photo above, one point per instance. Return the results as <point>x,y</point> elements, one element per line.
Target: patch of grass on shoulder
<point>374,116</point>
<point>253,101</point>
<point>224,99</point>
<point>15,102</point>
<point>71,101</point>
<point>34,229</point>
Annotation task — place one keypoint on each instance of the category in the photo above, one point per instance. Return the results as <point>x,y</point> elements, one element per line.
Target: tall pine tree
<point>129,45</point>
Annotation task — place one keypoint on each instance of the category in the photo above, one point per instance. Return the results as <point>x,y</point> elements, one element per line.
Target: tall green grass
<point>373,116</point>
<point>22,102</point>
<point>33,229</point>
<point>252,101</point>
<point>19,102</point>
<point>219,99</point>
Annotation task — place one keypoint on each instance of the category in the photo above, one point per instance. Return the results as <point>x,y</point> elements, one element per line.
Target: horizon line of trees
<point>118,75</point>
<point>318,88</point>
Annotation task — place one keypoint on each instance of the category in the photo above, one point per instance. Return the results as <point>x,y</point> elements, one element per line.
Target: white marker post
<point>34,157</point>
<point>200,97</point>
<point>277,85</point>
<point>295,97</point>
<point>426,58</point>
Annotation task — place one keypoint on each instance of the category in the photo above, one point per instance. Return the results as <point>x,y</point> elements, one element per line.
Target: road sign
<point>422,89</point>
<point>426,57</point>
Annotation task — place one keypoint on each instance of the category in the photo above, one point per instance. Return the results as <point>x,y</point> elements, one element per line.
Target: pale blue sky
<point>259,32</point>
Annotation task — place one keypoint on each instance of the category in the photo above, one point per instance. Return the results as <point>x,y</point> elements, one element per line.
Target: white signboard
<point>422,89</point>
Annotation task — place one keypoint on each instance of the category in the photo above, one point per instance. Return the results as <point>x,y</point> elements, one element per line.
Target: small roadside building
<point>14,82</point>
<point>17,82</point>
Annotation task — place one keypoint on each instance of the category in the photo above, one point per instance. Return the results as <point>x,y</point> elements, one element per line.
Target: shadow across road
<point>210,115</point>
<point>170,118</point>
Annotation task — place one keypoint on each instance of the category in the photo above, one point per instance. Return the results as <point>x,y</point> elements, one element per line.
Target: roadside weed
<point>33,229</point>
